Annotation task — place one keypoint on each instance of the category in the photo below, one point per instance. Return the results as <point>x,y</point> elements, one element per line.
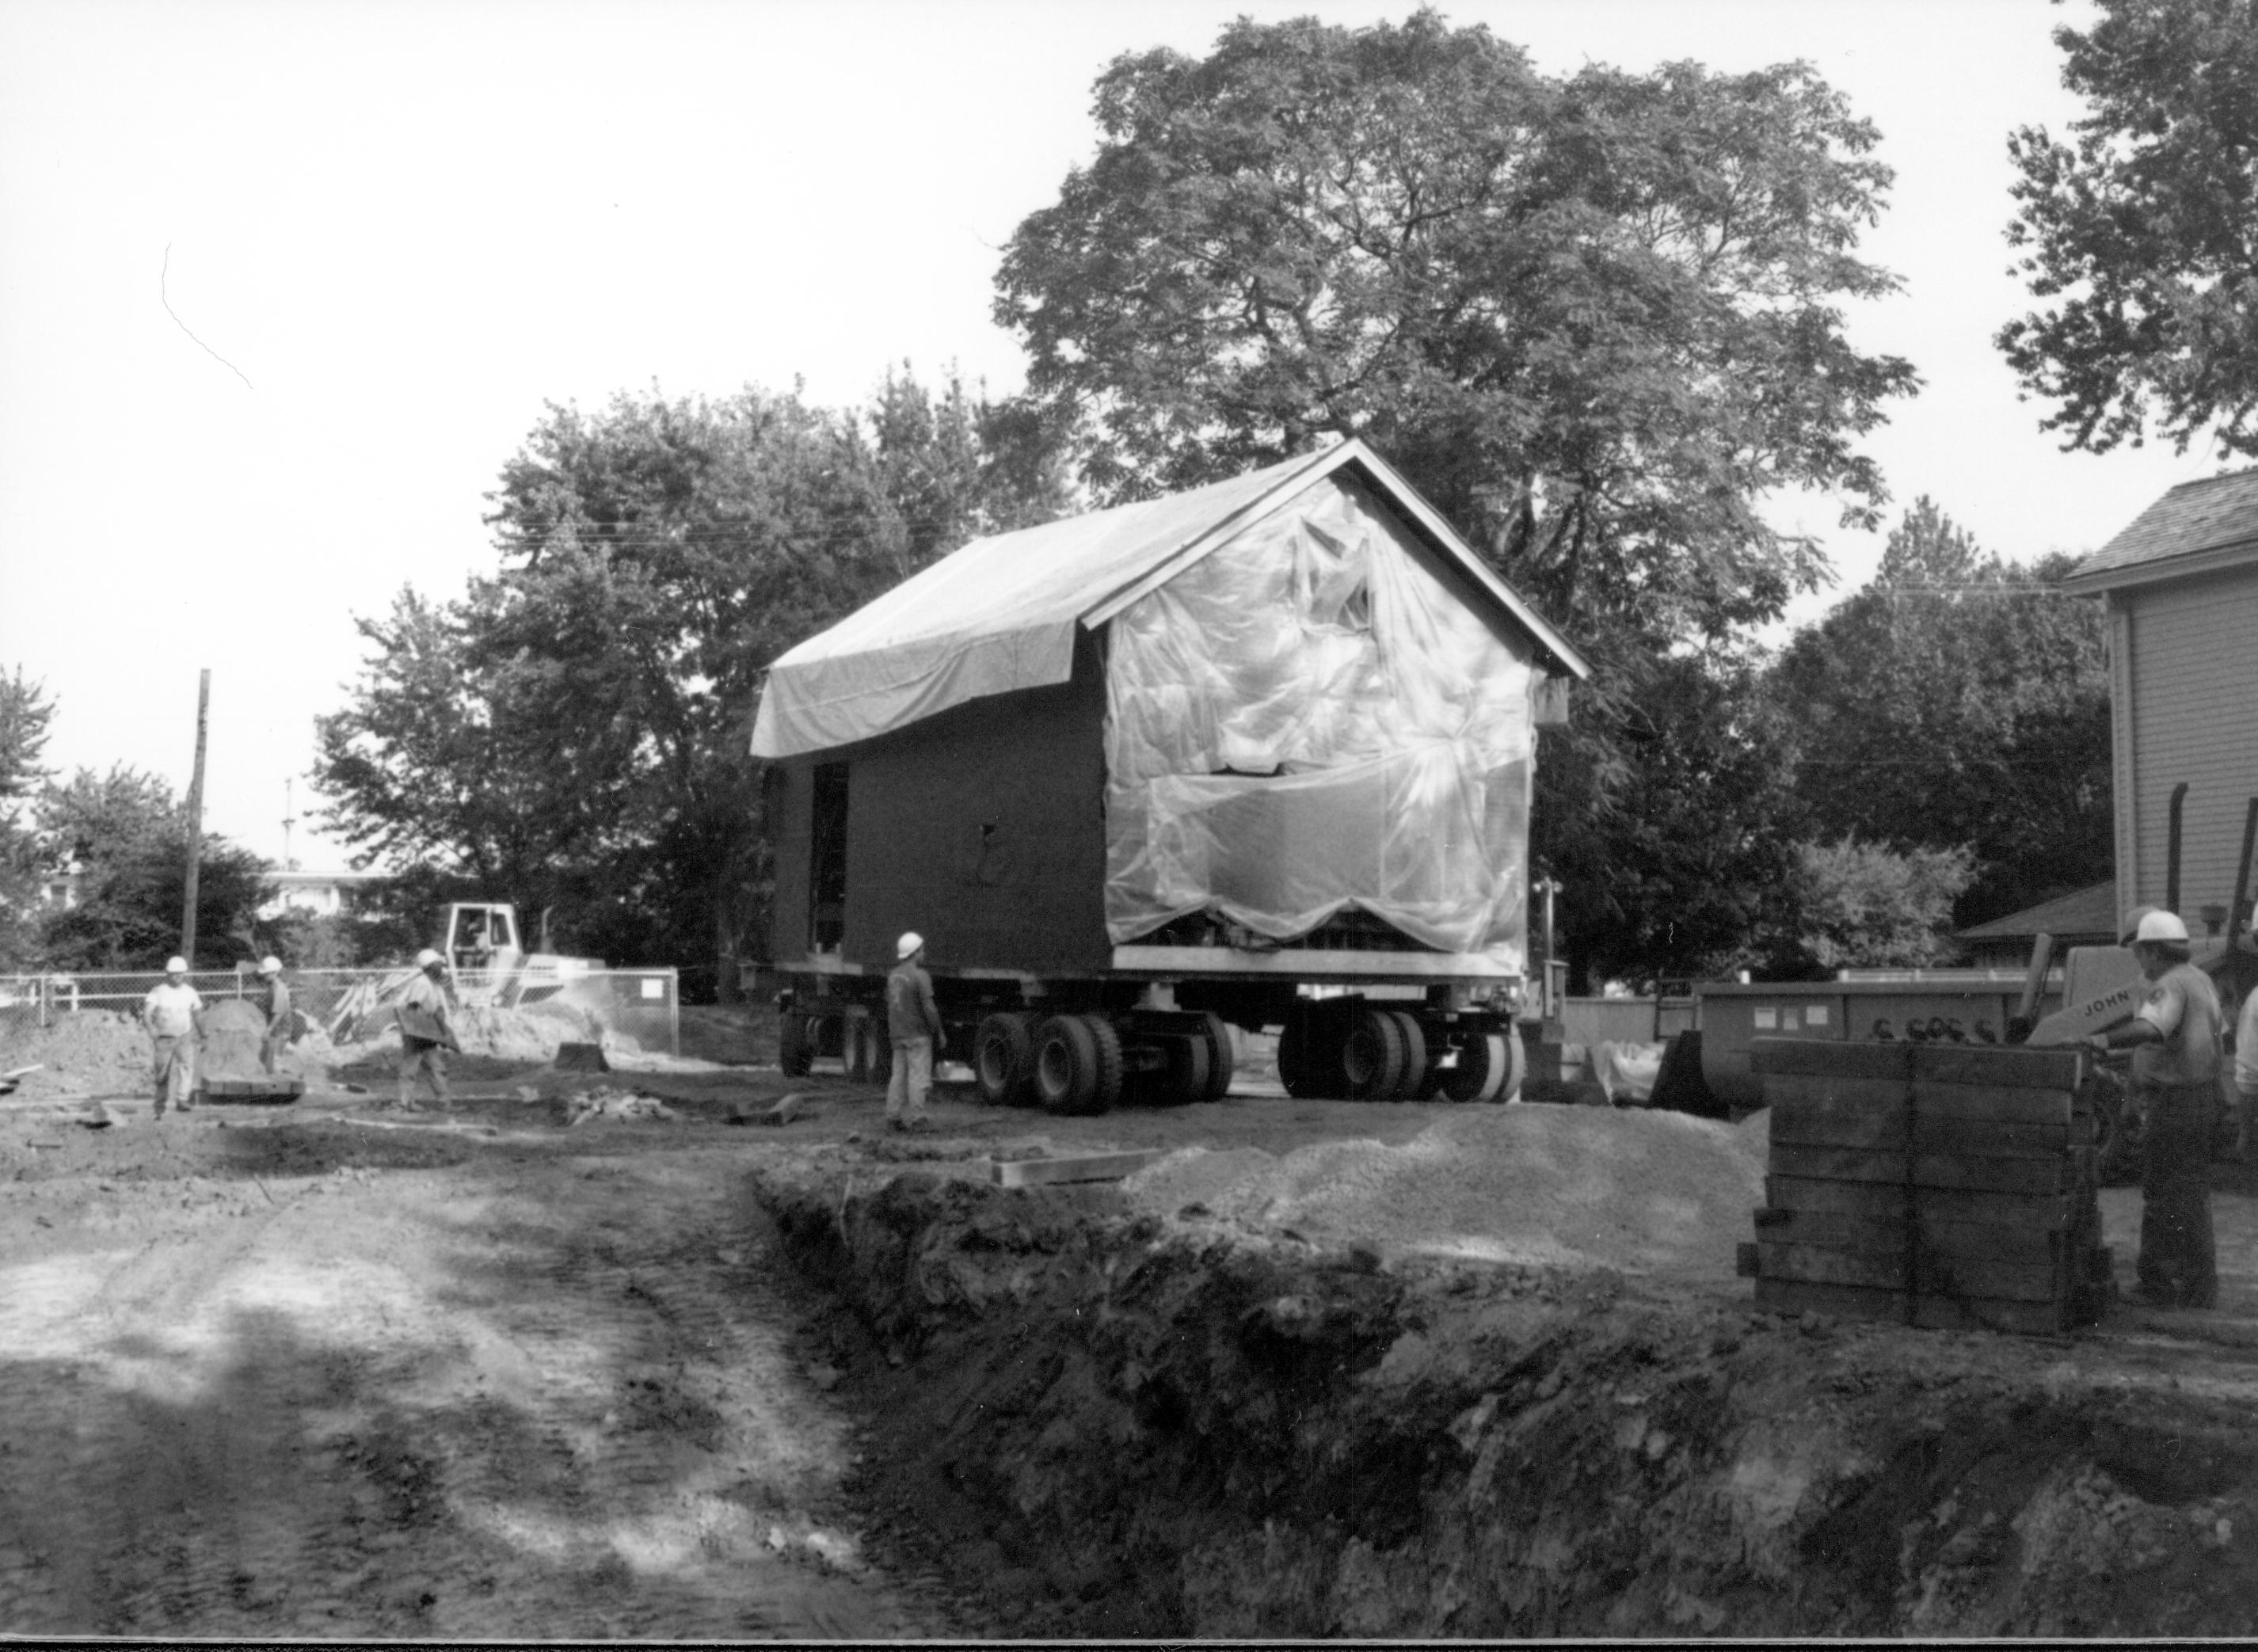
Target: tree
<point>128,836</point>
<point>1958,700</point>
<point>1694,867</point>
<point>25,713</point>
<point>1593,319</point>
<point>1859,906</point>
<point>2145,227</point>
<point>574,733</point>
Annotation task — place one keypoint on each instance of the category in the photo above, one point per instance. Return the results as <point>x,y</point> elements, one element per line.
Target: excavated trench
<point>1103,1422</point>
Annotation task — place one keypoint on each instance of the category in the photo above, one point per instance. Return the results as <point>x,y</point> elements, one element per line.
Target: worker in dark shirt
<point>2175,1039</point>
<point>913,1023</point>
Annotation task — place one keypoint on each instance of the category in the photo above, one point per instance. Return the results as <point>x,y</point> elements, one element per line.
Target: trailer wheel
<point>1371,1057</point>
<point>1220,1057</point>
<point>795,1045</point>
<point>1078,1064</point>
<point>1003,1058</point>
<point>1489,1069</point>
<point>1186,1077</point>
<point>1310,1054</point>
<point>1413,1086</point>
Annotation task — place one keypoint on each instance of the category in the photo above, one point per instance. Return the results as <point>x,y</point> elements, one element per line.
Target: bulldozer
<point>487,964</point>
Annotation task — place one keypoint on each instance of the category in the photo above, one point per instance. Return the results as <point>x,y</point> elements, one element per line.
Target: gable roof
<point>2086,911</point>
<point>1000,613</point>
<point>2197,528</point>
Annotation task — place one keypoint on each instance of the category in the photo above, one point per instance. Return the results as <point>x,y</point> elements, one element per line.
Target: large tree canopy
<point>25,713</point>
<point>574,734</point>
<point>2145,228</point>
<point>1958,700</point>
<point>1594,319</point>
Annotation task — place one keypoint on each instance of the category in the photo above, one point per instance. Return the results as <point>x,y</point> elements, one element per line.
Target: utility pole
<point>289,819</point>
<point>195,822</point>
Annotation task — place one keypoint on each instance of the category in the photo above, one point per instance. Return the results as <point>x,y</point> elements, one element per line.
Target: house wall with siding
<point>2185,676</point>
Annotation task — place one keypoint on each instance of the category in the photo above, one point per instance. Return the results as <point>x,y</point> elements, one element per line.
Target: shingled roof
<point>2197,528</point>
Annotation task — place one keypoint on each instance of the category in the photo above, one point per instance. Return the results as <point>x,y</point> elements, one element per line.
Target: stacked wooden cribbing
<point>1937,1184</point>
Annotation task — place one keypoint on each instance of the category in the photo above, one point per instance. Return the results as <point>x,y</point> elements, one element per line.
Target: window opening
<point>826,861</point>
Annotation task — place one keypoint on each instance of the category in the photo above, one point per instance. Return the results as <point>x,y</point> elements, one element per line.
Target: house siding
<point>2194,673</point>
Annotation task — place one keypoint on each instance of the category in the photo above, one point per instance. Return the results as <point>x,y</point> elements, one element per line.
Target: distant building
<point>323,894</point>
<point>2181,587</point>
<point>2087,918</point>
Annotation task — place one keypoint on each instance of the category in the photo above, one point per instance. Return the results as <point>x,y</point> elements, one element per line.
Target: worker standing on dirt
<point>2174,1038</point>
<point>426,1035</point>
<point>278,1013</point>
<point>173,1012</point>
<point>913,1023</point>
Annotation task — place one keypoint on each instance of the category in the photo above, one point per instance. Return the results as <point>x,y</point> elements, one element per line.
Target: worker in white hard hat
<point>277,1008</point>
<point>173,1014</point>
<point>913,1024</point>
<point>426,1034</point>
<point>2174,1038</point>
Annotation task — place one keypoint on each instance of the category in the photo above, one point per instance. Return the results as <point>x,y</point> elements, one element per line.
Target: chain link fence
<point>641,1004</point>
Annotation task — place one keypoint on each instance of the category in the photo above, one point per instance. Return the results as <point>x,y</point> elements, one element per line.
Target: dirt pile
<point>529,1036</point>
<point>1122,1427</point>
<point>234,1032</point>
<point>1659,1192</point>
<point>92,1053</point>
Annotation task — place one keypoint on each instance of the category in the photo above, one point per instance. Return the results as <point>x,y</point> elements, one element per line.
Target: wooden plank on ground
<point>1829,1058</point>
<point>1821,1123</point>
<point>1998,1069</point>
<point>1038,1173</point>
<point>2036,1212</point>
<point>1932,1100</point>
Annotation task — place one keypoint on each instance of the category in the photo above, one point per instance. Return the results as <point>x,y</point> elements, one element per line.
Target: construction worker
<point>913,1023</point>
<point>426,1034</point>
<point>2174,1038</point>
<point>173,1012</point>
<point>278,1012</point>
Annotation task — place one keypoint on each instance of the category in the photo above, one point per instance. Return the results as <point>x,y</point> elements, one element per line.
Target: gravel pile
<point>1644,1192</point>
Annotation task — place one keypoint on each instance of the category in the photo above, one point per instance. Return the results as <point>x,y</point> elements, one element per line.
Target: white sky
<point>405,227</point>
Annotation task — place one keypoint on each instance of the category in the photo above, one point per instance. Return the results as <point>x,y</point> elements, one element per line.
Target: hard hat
<point>908,944</point>
<point>2161,926</point>
<point>425,959</point>
<point>177,965</point>
<point>270,966</point>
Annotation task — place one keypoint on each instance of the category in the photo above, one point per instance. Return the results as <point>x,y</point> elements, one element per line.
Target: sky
<point>283,285</point>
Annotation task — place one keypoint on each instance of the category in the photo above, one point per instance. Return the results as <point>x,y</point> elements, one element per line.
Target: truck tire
<point>1078,1064</point>
<point>795,1044</point>
<point>1489,1068</point>
<point>1308,1055</point>
<point>1185,1079</point>
<point>1003,1058</point>
<point>1371,1057</point>
<point>1221,1057</point>
<point>1415,1056</point>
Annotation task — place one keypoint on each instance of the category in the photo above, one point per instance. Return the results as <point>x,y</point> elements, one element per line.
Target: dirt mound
<point>1658,1193</point>
<point>234,1031</point>
<point>527,1036</point>
<point>93,1053</point>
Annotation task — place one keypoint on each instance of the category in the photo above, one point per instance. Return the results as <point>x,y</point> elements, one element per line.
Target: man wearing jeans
<point>173,1013</point>
<point>2174,1038</point>
<point>913,1023</point>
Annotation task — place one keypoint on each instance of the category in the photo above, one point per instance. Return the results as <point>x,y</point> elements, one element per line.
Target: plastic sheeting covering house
<point>1315,698</point>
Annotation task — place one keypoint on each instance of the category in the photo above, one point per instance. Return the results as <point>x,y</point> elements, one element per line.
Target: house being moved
<point>1180,762</point>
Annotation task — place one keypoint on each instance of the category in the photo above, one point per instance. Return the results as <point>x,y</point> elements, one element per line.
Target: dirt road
<point>331,1380</point>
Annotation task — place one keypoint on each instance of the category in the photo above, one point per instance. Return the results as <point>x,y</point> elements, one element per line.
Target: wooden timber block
<point>2031,1246</point>
<point>1744,1258</point>
<point>2056,1175</point>
<point>270,1090</point>
<point>1830,1058</point>
<point>1987,1138</point>
<point>1848,1123</point>
<point>580,1058</point>
<point>1035,1173</point>
<point>1838,1163</point>
<point>1998,1069</point>
<point>1935,1099</point>
<point>2028,1211</point>
<point>1933,1274</point>
<point>1841,1230</point>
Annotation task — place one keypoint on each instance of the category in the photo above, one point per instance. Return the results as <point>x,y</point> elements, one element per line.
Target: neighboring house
<point>2087,918</point>
<point>322,894</point>
<point>2180,585</point>
<point>60,889</point>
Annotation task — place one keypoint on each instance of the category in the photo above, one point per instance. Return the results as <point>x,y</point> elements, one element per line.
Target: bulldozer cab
<point>481,937</point>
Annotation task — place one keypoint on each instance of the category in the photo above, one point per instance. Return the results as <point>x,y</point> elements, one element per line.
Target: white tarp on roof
<point>997,615</point>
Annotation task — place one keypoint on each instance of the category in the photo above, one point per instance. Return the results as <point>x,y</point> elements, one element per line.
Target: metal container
<point>1735,1013</point>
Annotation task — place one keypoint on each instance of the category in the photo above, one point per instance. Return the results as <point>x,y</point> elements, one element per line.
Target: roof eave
<point>2180,565</point>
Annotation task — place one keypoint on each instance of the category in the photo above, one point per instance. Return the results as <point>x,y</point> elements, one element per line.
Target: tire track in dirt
<point>527,1395</point>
